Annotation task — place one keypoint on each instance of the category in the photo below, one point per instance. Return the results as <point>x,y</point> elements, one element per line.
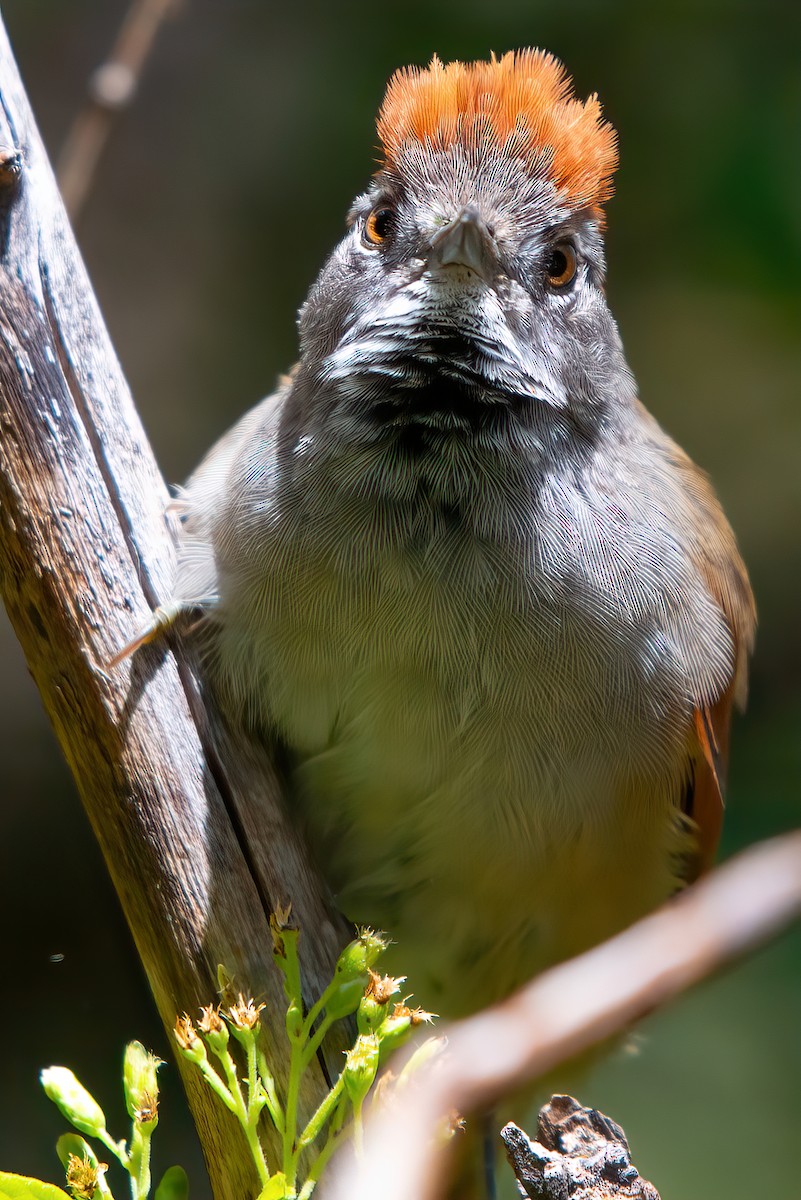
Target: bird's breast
<point>476,726</point>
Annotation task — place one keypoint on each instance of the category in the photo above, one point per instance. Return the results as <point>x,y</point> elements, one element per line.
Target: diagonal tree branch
<point>189,819</point>
<point>571,1008</point>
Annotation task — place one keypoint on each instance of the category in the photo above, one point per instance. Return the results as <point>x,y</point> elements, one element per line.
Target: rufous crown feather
<point>522,103</point>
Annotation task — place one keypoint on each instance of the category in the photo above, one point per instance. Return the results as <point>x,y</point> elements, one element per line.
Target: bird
<point>493,614</point>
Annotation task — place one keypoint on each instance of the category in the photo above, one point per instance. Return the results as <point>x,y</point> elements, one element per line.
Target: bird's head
<point>470,282</point>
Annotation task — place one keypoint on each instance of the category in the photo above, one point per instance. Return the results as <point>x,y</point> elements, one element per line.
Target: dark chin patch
<point>443,387</point>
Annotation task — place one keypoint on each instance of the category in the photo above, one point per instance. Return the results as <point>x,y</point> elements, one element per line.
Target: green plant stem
<point>140,1162</point>
<point>116,1148</point>
<point>358,1126</point>
<point>317,1008</point>
<point>103,1188</point>
<point>325,1109</point>
<point>311,1047</point>
<point>216,1084</point>
<point>336,1136</point>
<point>291,1112</point>
<point>254,1104</point>
<point>271,1098</point>
<point>246,1114</point>
<point>291,968</point>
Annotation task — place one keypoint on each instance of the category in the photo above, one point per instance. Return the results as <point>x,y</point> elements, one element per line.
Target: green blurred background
<point>221,192</point>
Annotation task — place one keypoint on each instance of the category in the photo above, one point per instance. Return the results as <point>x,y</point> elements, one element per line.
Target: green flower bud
<point>294,1021</point>
<point>370,1014</point>
<point>361,1065</point>
<point>392,1033</point>
<point>345,998</point>
<point>361,954</point>
<point>73,1101</point>
<point>139,1080</point>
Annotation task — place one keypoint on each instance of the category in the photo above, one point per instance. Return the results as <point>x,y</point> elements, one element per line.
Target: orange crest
<point>522,103</point>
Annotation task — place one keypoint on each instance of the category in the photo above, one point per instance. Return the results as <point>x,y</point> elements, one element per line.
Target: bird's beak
<point>465,242</point>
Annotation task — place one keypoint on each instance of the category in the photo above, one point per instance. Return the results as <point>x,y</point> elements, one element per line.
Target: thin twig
<point>573,1007</point>
<point>111,89</point>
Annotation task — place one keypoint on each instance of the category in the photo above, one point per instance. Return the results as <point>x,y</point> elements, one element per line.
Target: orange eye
<point>560,270</point>
<point>378,225</point>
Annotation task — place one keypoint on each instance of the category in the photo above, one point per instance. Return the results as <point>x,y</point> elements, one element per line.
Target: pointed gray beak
<point>465,242</point>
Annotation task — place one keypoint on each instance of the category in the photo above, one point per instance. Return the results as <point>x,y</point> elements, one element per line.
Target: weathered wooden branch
<point>579,1154</point>
<point>189,819</point>
<point>571,1008</point>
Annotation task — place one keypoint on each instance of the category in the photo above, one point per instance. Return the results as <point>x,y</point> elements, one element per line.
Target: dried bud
<point>383,987</point>
<point>210,1019</point>
<point>139,1071</point>
<point>361,1065</point>
<point>280,925</point>
<point>73,1101</point>
<point>213,1028</point>
<point>375,1002</point>
<point>417,1016</point>
<point>394,1030</point>
<point>83,1176</point>
<point>244,1015</point>
<point>188,1041</point>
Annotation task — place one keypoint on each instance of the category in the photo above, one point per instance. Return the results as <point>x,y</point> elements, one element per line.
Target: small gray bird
<point>494,613</point>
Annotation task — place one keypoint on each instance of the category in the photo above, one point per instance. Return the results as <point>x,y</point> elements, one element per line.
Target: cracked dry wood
<point>189,820</point>
<point>579,1154</point>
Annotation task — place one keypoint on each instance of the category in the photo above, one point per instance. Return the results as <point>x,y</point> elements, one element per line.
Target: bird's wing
<point>712,544</point>
<point>198,505</point>
<point>205,499</point>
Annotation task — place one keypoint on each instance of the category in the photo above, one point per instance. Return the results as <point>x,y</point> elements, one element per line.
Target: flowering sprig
<point>85,1175</point>
<point>223,1044</point>
<point>356,988</point>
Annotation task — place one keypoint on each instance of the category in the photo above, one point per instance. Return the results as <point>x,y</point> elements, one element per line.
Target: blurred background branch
<point>112,87</point>
<point>571,1008</point>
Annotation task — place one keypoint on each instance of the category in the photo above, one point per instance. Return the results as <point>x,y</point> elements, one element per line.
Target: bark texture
<point>189,816</point>
<point>579,1154</point>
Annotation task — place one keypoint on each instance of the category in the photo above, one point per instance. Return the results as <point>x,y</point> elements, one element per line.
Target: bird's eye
<point>562,264</point>
<point>378,225</point>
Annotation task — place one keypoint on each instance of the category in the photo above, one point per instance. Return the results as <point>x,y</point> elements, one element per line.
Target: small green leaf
<point>174,1185</point>
<point>275,1188</point>
<point>20,1187</point>
<point>72,1143</point>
